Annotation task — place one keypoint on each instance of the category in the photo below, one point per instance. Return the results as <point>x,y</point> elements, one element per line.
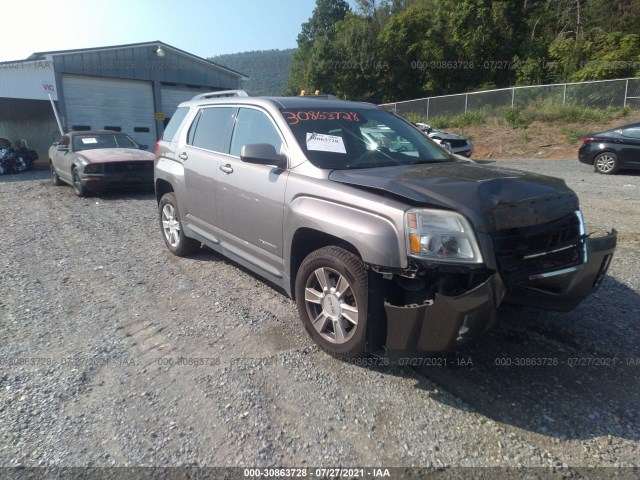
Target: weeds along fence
<point>599,94</point>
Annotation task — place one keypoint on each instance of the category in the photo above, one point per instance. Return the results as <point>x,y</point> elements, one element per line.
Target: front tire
<point>606,163</point>
<point>80,190</point>
<point>332,299</point>
<point>171,226</point>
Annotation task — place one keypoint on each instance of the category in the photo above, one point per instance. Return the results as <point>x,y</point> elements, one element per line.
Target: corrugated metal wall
<point>32,120</point>
<point>34,79</point>
<point>142,63</point>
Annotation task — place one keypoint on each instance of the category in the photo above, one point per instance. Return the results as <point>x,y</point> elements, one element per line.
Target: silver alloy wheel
<point>170,225</point>
<point>76,180</point>
<point>605,163</point>
<point>331,305</point>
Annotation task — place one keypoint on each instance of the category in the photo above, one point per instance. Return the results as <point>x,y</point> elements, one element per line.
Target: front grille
<point>522,252</point>
<point>457,143</point>
<point>128,167</point>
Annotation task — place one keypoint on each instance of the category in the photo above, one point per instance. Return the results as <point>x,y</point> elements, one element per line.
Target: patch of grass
<point>517,119</point>
<point>572,135</point>
<point>442,121</point>
<point>521,118</point>
<point>555,113</point>
<point>478,117</point>
<point>414,117</point>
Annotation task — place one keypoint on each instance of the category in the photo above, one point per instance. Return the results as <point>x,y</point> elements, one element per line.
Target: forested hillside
<point>268,69</point>
<point>389,50</point>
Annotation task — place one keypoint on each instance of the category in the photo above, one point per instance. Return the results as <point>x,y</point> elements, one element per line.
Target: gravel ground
<point>95,315</point>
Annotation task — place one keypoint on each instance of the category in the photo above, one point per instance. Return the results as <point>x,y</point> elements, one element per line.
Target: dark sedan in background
<point>101,160</point>
<point>612,150</point>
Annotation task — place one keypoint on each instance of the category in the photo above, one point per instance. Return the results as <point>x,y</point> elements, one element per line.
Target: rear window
<point>173,125</point>
<point>360,138</point>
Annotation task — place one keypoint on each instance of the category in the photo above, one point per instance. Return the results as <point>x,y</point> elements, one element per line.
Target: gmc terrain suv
<point>388,243</point>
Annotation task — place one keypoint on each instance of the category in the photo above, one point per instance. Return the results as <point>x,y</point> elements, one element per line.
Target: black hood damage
<point>491,198</point>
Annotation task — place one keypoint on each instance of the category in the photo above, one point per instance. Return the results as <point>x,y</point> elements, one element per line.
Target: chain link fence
<point>600,94</point>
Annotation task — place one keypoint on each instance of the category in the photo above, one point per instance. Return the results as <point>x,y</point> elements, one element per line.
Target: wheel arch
<point>611,152</point>
<point>604,150</point>
<point>307,240</point>
<point>162,188</point>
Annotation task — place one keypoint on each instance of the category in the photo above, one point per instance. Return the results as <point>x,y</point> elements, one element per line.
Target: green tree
<point>320,28</point>
<point>410,44</point>
<point>609,56</point>
<point>431,47</point>
<point>358,72</point>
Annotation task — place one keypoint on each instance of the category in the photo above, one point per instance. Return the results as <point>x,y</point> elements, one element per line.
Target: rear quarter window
<point>175,122</point>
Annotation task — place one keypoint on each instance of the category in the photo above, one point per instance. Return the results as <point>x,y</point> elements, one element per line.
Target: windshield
<point>102,140</point>
<point>360,138</point>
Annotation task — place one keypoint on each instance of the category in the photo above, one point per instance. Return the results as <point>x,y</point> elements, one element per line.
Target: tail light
<point>589,139</point>
<point>155,151</point>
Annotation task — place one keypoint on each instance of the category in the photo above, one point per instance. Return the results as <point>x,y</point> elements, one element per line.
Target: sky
<point>201,27</point>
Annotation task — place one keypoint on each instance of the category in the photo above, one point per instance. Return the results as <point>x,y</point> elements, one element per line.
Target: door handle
<point>184,156</point>
<point>226,168</point>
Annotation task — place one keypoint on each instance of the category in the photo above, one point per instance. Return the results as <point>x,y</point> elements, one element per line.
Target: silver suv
<point>388,243</point>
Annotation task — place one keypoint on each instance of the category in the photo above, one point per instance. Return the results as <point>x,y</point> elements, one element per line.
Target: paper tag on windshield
<point>89,140</point>
<point>325,143</point>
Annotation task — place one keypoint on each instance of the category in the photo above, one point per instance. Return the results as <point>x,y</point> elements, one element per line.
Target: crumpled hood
<point>103,155</point>
<point>491,198</point>
<point>446,136</point>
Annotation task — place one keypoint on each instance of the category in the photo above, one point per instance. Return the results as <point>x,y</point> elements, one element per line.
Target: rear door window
<point>211,129</point>
<point>632,132</point>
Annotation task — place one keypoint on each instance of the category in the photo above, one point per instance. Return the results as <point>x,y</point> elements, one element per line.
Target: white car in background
<point>453,142</point>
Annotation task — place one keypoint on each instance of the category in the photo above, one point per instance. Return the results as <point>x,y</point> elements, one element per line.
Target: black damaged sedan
<point>612,150</point>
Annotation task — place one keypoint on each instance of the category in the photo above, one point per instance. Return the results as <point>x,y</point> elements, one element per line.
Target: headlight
<point>93,168</point>
<point>442,236</point>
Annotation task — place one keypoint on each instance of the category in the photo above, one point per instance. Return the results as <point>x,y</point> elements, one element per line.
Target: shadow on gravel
<point>133,193</point>
<point>28,176</point>
<point>566,375</point>
<point>628,173</point>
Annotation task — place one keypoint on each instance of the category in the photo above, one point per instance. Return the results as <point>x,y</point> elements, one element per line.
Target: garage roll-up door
<point>173,96</point>
<point>100,103</point>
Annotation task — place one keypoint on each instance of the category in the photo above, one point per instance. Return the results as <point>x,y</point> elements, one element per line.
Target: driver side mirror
<point>263,154</point>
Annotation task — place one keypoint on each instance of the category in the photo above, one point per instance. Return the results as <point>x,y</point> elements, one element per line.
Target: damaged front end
<point>436,308</point>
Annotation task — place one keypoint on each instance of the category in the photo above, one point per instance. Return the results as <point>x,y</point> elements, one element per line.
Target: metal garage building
<point>130,88</point>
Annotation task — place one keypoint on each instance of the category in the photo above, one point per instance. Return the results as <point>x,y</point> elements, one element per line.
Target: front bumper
<point>112,181</point>
<point>443,323</point>
<point>447,323</point>
<point>465,151</point>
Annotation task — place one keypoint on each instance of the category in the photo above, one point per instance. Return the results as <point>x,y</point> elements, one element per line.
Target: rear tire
<point>332,298</point>
<point>55,179</point>
<point>171,227</point>
<point>606,163</point>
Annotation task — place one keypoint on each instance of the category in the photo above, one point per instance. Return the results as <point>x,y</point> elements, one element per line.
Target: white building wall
<point>33,80</point>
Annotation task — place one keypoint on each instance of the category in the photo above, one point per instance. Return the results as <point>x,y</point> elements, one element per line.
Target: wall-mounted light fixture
<point>160,51</point>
